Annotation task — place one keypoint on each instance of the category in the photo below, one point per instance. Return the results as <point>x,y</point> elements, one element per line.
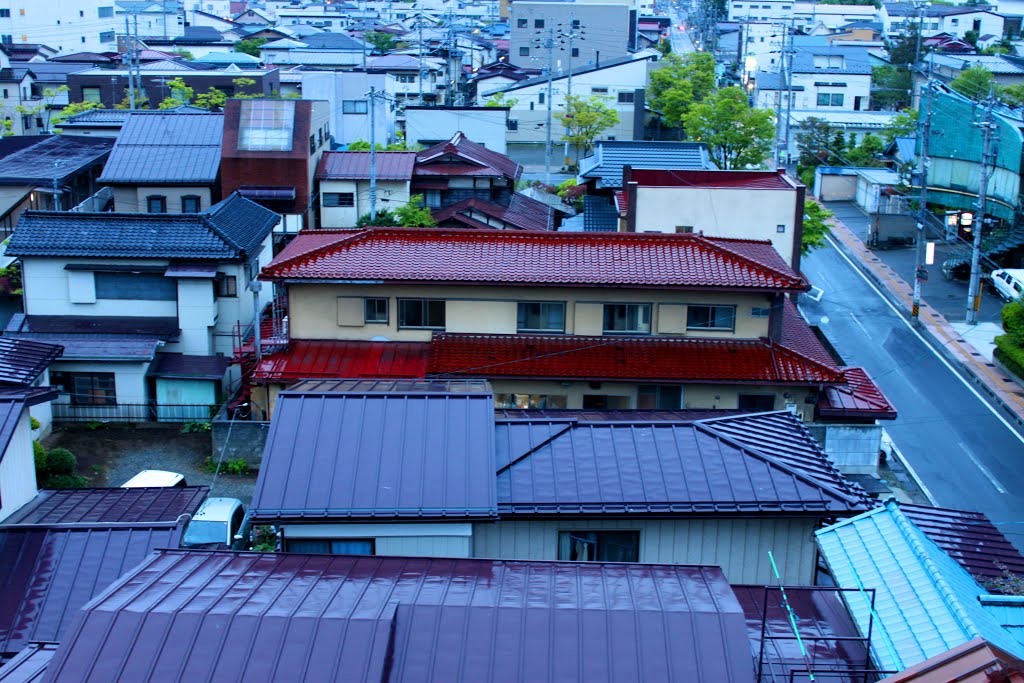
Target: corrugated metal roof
<point>356,165</point>
<point>144,506</point>
<point>970,538</point>
<point>925,603</point>
<point>751,180</point>
<point>653,468</point>
<point>183,614</point>
<point>46,575</point>
<point>173,148</point>
<point>29,665</point>
<point>406,452</point>
<point>309,359</point>
<point>522,213</point>
<point>71,153</point>
<point>190,367</point>
<point>859,397</point>
<point>22,361</point>
<point>605,165</point>
<point>535,257</point>
<point>461,147</point>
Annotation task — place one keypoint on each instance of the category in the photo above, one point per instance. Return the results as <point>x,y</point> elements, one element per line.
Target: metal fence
<point>133,412</point>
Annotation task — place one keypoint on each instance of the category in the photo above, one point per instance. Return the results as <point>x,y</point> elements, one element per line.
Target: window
<point>225,286</point>
<point>540,316</point>
<point>529,402</point>
<point>521,23</point>
<point>780,228</point>
<point>421,313</point>
<point>524,52</point>
<point>627,318</point>
<point>599,546</point>
<point>91,94</point>
<point>540,98</point>
<point>83,39</point>
<point>432,198</point>
<point>345,199</point>
<point>684,229</point>
<point>605,402</point>
<point>107,37</point>
<point>756,403</point>
<point>538,23</point>
<point>190,203</point>
<point>330,546</point>
<point>660,397</point>
<point>830,99</point>
<point>103,12</point>
<point>575,23</point>
<point>376,310</point>
<point>760,312</point>
<point>710,317</point>
<point>406,78</point>
<point>136,286</point>
<point>312,144</point>
<point>86,388</point>
<point>5,14</point>
<point>354,107</point>
<point>626,97</point>
<point>954,22</point>
<point>575,52</point>
<point>513,124</point>
<point>156,203</point>
<point>599,91</point>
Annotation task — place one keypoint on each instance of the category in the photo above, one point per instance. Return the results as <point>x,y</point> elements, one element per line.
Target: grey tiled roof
<point>610,156</point>
<point>856,60</point>
<point>166,149</point>
<point>229,230</point>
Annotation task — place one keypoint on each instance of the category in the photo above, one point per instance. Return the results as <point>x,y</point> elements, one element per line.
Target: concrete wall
<point>17,469</point>
<point>129,380</point>
<point>318,311</point>
<point>721,212</point>
<point>336,87</point>
<point>52,290</point>
<point>606,27</point>
<point>483,125</point>
<point>739,546</point>
<point>240,439</point>
<point>853,448</point>
<point>133,199</point>
<point>390,195</point>
<point>835,188</point>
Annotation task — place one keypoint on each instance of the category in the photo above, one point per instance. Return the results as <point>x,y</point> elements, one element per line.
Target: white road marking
<point>984,470</point>
<point>917,334</point>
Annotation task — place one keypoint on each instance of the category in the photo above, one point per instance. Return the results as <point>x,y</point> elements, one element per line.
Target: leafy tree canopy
<point>585,119</point>
<point>737,135</point>
<point>499,100</point>
<point>250,46</point>
<point>975,82</point>
<point>679,82</point>
<point>816,226</point>
<point>380,40</point>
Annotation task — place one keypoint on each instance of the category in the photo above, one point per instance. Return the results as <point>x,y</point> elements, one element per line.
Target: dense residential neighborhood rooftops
<point>170,149</point>
<point>415,618</point>
<point>231,229</point>
<point>537,257</point>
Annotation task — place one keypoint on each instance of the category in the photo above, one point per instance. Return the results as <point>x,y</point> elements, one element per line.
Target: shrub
<point>66,481</point>
<point>39,456</point>
<point>196,427</point>
<point>236,466</point>
<point>1010,355</point>
<point>34,422</point>
<point>1013,322</point>
<point>210,465</point>
<point>60,461</point>
<point>264,539</point>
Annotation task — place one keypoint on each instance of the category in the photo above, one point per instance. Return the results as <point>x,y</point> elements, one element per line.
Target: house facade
<point>147,307</point>
<point>344,182</point>
<point>607,30</point>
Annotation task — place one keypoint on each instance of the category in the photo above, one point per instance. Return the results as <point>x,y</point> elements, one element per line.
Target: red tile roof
<point>471,152</point>
<point>311,359</point>
<point>798,335</point>
<point>523,213</point>
<point>621,202</point>
<point>859,397</point>
<point>537,257</point>
<point>636,358</point>
<point>752,180</point>
<point>446,169</point>
<point>356,165</point>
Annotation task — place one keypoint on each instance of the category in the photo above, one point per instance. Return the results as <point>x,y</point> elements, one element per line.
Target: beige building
<point>344,182</point>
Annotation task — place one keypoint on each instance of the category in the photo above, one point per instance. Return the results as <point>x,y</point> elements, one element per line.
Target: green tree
<point>903,50</point>
<point>867,152</point>
<point>975,82</point>
<point>414,214</point>
<point>499,100</point>
<point>816,226</point>
<point>384,219</point>
<point>181,94</point>
<point>364,146</point>
<point>380,40</point>
<point>250,47</point>
<point>1003,47</point>
<point>891,87</point>
<point>70,110</point>
<point>902,125</point>
<point>737,136</point>
<point>585,119</point>
<point>211,99</point>
<point>972,38</point>
<point>679,82</point>
<point>184,53</point>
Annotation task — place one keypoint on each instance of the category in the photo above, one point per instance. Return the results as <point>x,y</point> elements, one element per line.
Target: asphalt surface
<point>962,453</point>
<point>681,43</point>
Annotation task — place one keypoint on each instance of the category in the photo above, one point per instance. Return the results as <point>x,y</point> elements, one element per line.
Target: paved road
<point>965,456</point>
<point>681,43</point>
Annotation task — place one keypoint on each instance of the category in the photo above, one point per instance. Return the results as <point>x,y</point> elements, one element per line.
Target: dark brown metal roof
<point>187,615</point>
<point>29,666</point>
<point>22,361</point>
<point>97,507</point>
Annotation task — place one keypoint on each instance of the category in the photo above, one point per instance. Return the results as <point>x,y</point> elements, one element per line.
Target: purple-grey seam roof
<point>970,538</point>
<point>29,665</point>
<point>568,467</point>
<point>91,507</point>
<point>254,617</point>
<point>401,449</point>
<point>22,361</point>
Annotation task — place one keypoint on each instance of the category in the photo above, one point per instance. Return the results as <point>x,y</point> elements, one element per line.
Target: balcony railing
<point>103,200</point>
<point>133,412</point>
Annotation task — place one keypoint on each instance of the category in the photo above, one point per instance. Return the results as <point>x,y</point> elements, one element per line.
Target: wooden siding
<point>739,546</point>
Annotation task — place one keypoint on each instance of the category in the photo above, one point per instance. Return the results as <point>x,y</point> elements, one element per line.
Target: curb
<point>963,369</point>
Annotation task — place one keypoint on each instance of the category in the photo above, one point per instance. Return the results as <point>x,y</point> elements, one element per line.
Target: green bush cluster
<point>55,469</point>
<point>234,466</point>
<point>1010,346</point>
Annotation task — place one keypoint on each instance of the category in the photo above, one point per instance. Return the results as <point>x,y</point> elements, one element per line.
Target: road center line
<point>984,470</point>
<point>917,334</point>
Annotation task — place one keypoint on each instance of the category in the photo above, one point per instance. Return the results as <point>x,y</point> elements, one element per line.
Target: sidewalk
<point>950,343</point>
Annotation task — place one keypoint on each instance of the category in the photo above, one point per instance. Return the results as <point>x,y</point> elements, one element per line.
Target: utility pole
<point>371,104</point>
<point>423,71</point>
<point>56,186</point>
<point>924,121</point>
<point>128,54</point>
<point>788,41</point>
<point>988,127</point>
<point>550,45</point>
<point>570,36</point>
<point>135,54</point>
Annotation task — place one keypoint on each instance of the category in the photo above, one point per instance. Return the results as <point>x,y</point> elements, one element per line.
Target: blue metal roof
<point>171,148</point>
<point>925,603</point>
<point>349,449</point>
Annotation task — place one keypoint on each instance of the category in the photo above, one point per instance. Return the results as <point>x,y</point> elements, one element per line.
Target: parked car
<point>155,478</point>
<point>217,525</point>
<point>1009,282</point>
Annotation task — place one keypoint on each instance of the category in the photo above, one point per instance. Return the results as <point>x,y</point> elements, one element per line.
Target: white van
<point>1009,282</point>
<point>155,478</point>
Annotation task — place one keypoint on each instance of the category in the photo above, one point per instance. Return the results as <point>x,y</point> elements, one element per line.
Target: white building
<point>487,126</point>
<point>346,92</point>
<point>808,15</point>
<point>896,18</point>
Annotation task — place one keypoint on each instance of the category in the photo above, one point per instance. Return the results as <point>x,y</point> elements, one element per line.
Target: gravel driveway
<point>111,455</point>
